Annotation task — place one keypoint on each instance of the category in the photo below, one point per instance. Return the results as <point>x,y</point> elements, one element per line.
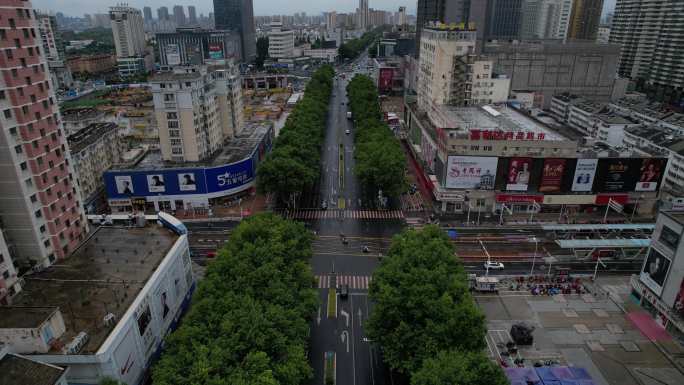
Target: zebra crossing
<point>340,214</point>
<point>354,281</point>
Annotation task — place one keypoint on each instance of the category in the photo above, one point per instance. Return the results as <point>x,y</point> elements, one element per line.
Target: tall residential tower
<point>238,15</point>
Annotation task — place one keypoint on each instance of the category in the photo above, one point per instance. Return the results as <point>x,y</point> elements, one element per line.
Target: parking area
<point>584,330</point>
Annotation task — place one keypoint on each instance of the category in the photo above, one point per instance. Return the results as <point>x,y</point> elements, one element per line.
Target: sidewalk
<point>251,204</point>
<point>492,219</point>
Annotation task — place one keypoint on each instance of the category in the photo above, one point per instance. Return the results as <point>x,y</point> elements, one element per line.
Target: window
<point>17,43</point>
<point>171,115</point>
<point>42,228</point>
<point>23,62</point>
<point>2,94</point>
<point>26,32</point>
<point>9,54</point>
<point>173,124</point>
<point>669,237</point>
<point>18,149</point>
<point>481,202</point>
<point>5,274</point>
<point>34,199</point>
<point>8,113</point>
<point>23,166</point>
<point>38,214</point>
<point>14,73</point>
<point>169,97</point>
<point>30,51</point>
<point>188,84</point>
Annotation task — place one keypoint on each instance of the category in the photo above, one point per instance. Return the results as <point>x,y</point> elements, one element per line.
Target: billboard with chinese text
<point>471,172</point>
<point>552,175</point>
<point>585,171</point>
<point>385,78</point>
<point>518,176</point>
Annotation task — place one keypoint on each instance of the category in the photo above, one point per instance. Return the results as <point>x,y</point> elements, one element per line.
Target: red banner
<point>602,199</point>
<point>385,79</point>
<point>552,175</point>
<point>515,198</point>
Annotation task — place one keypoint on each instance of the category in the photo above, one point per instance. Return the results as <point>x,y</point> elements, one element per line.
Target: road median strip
<point>332,303</point>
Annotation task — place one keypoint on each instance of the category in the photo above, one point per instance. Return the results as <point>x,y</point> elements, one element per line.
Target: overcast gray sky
<point>261,7</point>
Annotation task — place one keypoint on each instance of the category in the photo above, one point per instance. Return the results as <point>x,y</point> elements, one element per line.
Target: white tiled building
<point>280,42</point>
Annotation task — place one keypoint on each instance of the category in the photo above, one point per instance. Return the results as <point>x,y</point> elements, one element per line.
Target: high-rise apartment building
<point>40,202</point>
<point>445,11</point>
<point>450,72</point>
<point>197,108</point>
<point>362,15</point>
<point>53,48</point>
<point>192,15</point>
<point>401,16</point>
<point>238,15</point>
<point>652,39</point>
<point>179,15</point>
<point>585,19</point>
<point>163,13</point>
<point>545,19</point>
<point>9,281</point>
<point>129,39</point>
<point>504,19</point>
<point>280,41</point>
<point>147,14</point>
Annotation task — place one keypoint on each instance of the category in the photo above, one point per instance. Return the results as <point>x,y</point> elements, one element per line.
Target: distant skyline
<point>261,7</point>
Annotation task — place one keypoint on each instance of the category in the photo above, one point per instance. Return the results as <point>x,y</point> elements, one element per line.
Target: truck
<point>349,115</point>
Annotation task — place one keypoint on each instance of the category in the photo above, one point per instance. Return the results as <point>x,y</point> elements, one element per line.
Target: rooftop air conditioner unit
<point>109,320</point>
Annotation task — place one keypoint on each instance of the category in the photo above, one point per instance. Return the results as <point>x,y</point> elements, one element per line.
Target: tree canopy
<point>425,319</point>
<point>293,166</point>
<point>262,51</point>
<point>249,319</point>
<point>462,368</point>
<point>380,160</point>
<point>352,48</point>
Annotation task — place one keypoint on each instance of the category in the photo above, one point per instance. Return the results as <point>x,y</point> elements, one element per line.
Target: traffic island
<point>329,368</point>
<point>332,303</point>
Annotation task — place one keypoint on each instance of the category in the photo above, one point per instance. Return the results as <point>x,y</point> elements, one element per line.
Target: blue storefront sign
<point>183,181</point>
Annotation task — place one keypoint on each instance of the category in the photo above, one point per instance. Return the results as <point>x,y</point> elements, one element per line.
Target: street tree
<point>456,367</point>
<point>423,304</point>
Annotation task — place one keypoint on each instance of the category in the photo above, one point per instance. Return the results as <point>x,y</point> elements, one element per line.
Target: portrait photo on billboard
<point>471,172</point>
<point>655,270</point>
<point>155,183</point>
<point>552,175</point>
<point>585,170</point>
<point>649,174</point>
<point>124,184</point>
<point>187,181</point>
<point>518,177</point>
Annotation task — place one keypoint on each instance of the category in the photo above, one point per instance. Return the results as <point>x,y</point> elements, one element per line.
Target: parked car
<point>347,132</point>
<point>344,291</point>
<point>491,265</point>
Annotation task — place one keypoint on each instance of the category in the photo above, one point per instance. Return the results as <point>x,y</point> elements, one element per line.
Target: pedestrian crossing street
<point>354,281</point>
<point>339,214</point>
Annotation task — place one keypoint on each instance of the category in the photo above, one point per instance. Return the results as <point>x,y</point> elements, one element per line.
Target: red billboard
<point>519,198</point>
<point>552,175</point>
<point>385,79</point>
<point>649,174</point>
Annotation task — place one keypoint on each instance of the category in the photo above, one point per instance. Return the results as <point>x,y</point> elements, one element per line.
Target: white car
<point>347,132</point>
<point>493,265</point>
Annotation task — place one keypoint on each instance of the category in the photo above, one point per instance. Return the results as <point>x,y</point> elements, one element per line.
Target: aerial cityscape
<point>371,192</point>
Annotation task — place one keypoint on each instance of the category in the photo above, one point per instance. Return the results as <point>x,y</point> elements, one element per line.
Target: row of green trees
<point>249,319</point>
<point>293,166</point>
<point>380,160</point>
<point>425,319</point>
<point>352,48</point>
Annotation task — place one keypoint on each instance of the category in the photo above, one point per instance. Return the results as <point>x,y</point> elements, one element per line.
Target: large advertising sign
<point>124,184</point>
<point>385,79</point>
<point>655,270</point>
<point>518,176</point>
<point>130,364</point>
<point>173,56</point>
<point>616,174</point>
<point>215,51</point>
<point>650,173</point>
<point>471,172</point>
<point>584,175</point>
<point>552,175</point>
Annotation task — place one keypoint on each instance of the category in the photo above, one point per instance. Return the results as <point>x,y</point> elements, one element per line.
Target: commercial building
<point>444,11</point>
<point>192,15</point>
<point>328,55</point>
<point>280,41</point>
<point>147,14</point>
<point>112,330</point>
<point>585,19</point>
<point>238,16</point>
<point>362,15</point>
<point>545,19</point>
<point>504,19</point>
<point>660,283</point>
<point>179,15</point>
<point>22,370</point>
<point>195,46</point>
<point>495,158</point>
<point>191,104</point>
<point>603,35</point>
<point>163,14</point>
<point>129,39</point>
<point>40,203</point>
<point>94,150</point>
<point>388,75</point>
<point>651,37</point>
<point>151,184</point>
<point>92,64</point>
<point>76,119</point>
<point>451,73</point>
<point>585,69</point>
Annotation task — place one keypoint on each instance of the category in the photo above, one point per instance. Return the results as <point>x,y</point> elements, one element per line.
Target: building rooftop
<point>613,118</point>
<point>659,136</point>
<point>18,370</point>
<point>27,317</point>
<point>173,76</point>
<point>235,149</point>
<point>104,275</point>
<point>89,135</point>
<point>675,215</point>
<point>493,118</point>
<point>645,107</point>
<point>589,106</point>
<point>675,119</point>
<point>81,113</point>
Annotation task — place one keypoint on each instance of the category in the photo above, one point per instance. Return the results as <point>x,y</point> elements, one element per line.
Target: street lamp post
<point>598,260</point>
<point>636,205</point>
<point>534,258</point>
